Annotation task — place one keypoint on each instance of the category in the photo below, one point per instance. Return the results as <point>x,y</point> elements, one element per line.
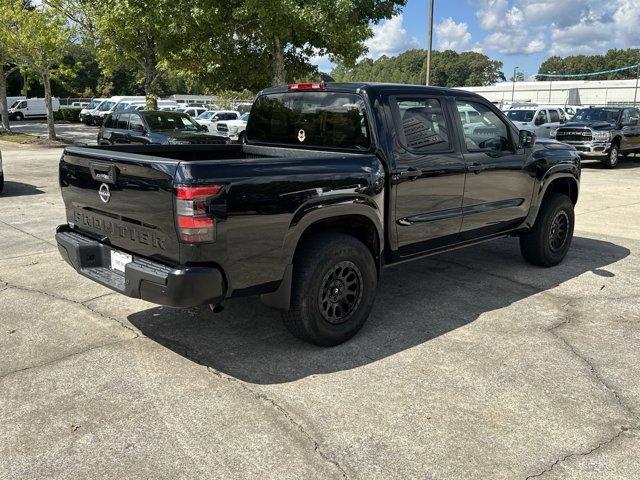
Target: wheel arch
<point>359,220</point>
<point>566,183</point>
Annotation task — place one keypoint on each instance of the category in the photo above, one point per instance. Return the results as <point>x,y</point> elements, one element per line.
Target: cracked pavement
<point>473,365</point>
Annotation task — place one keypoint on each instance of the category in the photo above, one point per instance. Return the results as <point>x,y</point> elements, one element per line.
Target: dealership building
<point>563,92</point>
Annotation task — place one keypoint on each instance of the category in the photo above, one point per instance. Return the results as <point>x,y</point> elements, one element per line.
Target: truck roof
<point>373,88</point>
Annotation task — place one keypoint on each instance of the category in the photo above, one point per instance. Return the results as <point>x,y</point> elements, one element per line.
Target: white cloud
<point>452,36</point>
<point>323,63</point>
<point>558,27</point>
<point>390,38</point>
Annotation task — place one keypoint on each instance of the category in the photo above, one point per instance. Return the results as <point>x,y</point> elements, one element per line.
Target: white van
<point>12,100</point>
<point>99,116</point>
<point>84,113</point>
<point>31,108</point>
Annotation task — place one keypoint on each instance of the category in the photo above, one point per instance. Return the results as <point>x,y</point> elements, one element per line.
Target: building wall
<point>591,92</point>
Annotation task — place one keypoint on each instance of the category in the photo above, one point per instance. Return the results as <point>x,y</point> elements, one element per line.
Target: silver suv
<point>538,120</point>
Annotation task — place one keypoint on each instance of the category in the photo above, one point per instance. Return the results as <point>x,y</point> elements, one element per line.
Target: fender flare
<point>308,215</point>
<point>555,173</point>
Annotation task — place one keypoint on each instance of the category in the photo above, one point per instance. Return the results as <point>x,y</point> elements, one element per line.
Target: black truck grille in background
<point>573,135</point>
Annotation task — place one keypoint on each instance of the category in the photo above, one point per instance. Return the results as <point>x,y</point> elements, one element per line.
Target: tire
<point>611,160</point>
<point>241,138</point>
<point>548,242</point>
<point>1,182</point>
<point>333,290</point>
<point>19,117</point>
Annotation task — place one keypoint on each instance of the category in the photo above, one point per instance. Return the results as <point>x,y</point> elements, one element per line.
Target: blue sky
<point>519,33</point>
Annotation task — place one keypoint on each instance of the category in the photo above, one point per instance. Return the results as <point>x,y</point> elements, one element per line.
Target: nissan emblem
<point>104,193</point>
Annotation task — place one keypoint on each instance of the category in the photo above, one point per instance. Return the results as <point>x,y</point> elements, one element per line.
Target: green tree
<point>7,60</point>
<point>41,37</point>
<point>290,28</point>
<point>578,64</point>
<point>448,69</point>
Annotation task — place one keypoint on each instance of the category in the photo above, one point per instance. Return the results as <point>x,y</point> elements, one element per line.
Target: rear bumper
<point>143,278</point>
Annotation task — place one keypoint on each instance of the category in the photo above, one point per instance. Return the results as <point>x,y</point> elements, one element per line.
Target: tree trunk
<point>51,129</point>
<point>150,74</point>
<point>4,108</point>
<point>279,72</point>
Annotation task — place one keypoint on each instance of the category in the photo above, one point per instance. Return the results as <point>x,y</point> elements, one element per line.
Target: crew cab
<point>234,129</point>
<point>333,183</point>
<point>602,133</point>
<point>538,120</point>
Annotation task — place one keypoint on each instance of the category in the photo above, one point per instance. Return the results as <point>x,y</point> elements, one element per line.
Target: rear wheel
<point>333,289</point>
<point>611,160</point>
<point>1,182</point>
<point>548,242</point>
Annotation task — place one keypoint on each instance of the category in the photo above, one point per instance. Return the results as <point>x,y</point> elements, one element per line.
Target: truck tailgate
<point>122,199</point>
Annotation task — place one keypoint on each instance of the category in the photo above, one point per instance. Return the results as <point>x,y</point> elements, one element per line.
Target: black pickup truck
<point>334,182</point>
<point>602,133</point>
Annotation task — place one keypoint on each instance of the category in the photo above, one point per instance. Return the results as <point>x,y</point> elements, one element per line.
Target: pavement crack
<point>579,454</point>
<point>82,304</point>
<point>262,398</point>
<point>60,359</point>
<point>29,234</point>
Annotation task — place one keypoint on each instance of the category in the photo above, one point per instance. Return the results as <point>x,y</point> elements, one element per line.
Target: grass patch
<point>18,137</point>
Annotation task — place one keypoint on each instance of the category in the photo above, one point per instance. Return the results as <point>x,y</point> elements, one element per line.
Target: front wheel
<point>19,117</point>
<point>611,160</point>
<point>334,286</point>
<point>548,242</point>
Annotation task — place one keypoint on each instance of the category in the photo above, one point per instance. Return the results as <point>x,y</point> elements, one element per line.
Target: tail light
<point>195,222</point>
<point>306,87</point>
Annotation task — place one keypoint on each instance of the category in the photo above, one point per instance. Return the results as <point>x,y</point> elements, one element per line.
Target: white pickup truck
<point>539,120</point>
<point>234,129</point>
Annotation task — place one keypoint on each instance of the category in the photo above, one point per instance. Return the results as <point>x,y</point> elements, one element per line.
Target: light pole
<point>635,94</point>
<point>513,84</point>
<point>550,83</point>
<point>428,79</point>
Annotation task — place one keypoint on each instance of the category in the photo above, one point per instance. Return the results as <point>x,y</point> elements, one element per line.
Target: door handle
<point>410,173</point>
<point>476,167</point>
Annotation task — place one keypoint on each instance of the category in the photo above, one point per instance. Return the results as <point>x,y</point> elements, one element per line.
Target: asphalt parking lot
<point>76,132</point>
<point>473,365</point>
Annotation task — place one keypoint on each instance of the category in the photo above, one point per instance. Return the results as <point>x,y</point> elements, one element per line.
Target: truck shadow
<point>417,302</point>
<point>19,189</point>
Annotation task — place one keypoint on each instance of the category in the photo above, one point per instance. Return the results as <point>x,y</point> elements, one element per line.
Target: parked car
<point>603,133</point>
<point>154,127</point>
<point>192,111</point>
<point>31,108</point>
<point>234,129</point>
<point>538,120</point>
<point>211,117</point>
<point>333,183</point>
<point>85,113</point>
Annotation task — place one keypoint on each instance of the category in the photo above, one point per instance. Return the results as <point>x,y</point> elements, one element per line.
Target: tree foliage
<point>448,69</point>
<point>576,64</point>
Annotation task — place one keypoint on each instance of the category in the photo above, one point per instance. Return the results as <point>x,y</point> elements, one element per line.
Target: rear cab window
<point>328,120</point>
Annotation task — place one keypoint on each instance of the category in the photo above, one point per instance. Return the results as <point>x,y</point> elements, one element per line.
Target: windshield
<point>15,104</point>
<point>245,117</point>
<point>312,119</point>
<point>105,106</point>
<point>121,106</point>
<point>520,115</point>
<point>205,115</point>
<point>92,104</point>
<point>597,114</point>
<point>160,121</point>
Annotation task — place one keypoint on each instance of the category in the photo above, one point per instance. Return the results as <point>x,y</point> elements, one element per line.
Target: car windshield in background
<point>161,121</point>
<point>597,115</point>
<point>15,104</point>
<point>105,106</point>
<point>205,115</point>
<point>312,119</point>
<point>245,117</point>
<point>92,104</point>
<point>520,115</point>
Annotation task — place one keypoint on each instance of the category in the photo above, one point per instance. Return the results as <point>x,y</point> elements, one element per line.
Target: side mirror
<point>527,139</point>
<point>138,128</point>
<point>203,128</point>
<point>633,122</point>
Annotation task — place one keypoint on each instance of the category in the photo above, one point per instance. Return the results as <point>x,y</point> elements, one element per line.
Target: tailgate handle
<point>103,172</point>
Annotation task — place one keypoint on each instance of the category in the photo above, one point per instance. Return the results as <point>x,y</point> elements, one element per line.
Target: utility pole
<point>430,42</point>
<point>550,83</point>
<point>513,85</point>
<point>635,94</point>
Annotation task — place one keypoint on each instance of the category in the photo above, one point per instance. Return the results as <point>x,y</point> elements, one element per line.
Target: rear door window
<point>311,119</point>
<point>123,121</point>
<point>424,128</point>
<point>554,116</point>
